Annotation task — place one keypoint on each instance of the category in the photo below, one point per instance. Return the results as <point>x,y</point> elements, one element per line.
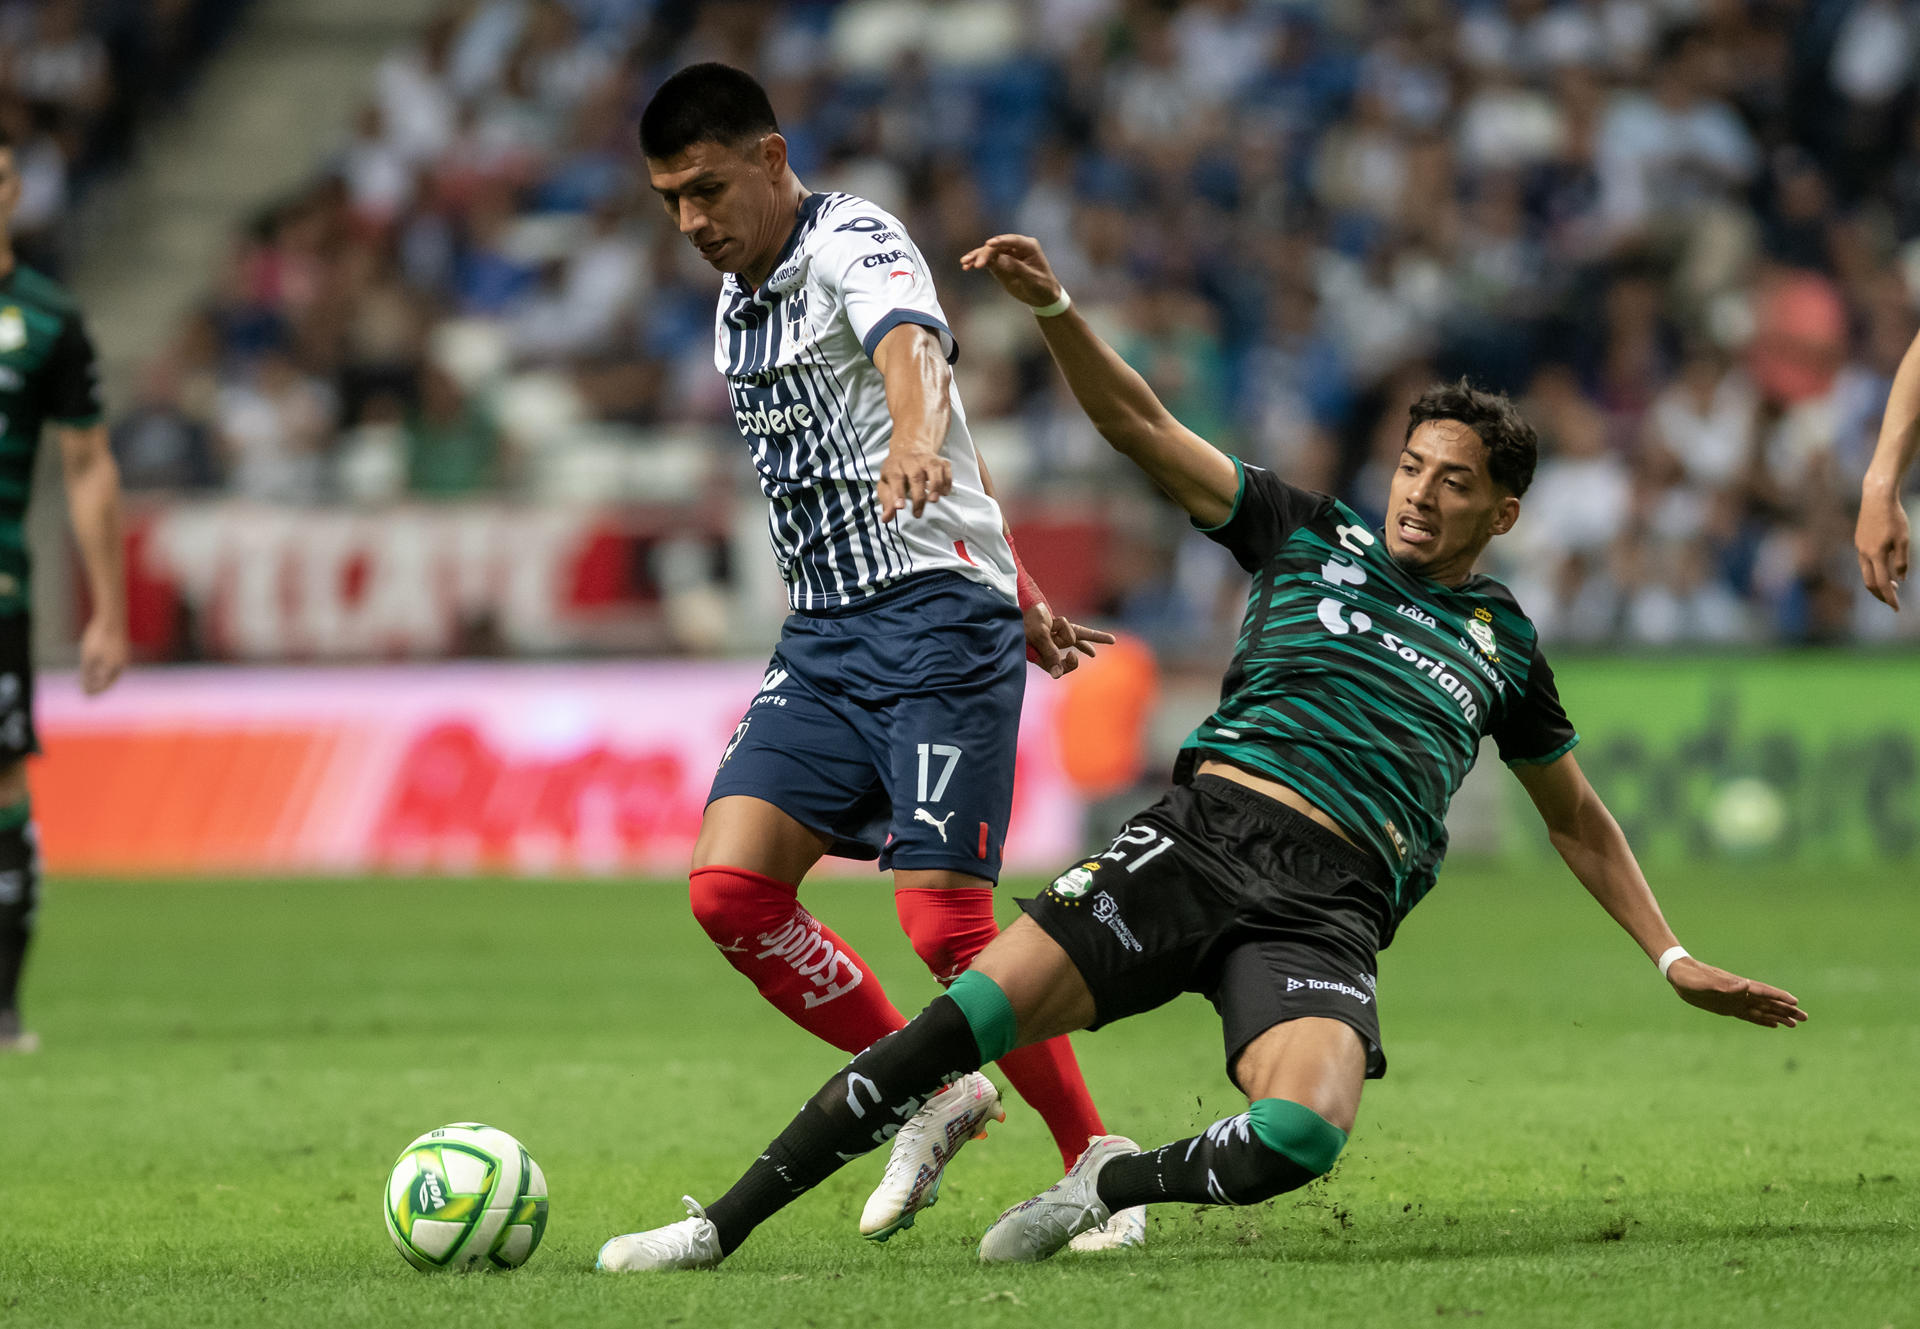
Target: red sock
<point>809,974</point>
<point>948,926</point>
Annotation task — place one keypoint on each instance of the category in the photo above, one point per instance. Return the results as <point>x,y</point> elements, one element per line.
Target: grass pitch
<point>229,1070</point>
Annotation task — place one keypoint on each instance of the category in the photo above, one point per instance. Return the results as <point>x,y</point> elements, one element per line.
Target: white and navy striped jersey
<point>798,356</point>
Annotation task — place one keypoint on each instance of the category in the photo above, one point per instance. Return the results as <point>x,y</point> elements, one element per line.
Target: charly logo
<point>13,329</point>
<point>1075,882</point>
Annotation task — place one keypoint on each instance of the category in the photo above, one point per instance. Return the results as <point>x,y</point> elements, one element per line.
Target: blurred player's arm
<point>1188,469</point>
<point>1051,640</point>
<point>914,367</point>
<point>1595,848</point>
<point>93,504</point>
<point>1882,539</point>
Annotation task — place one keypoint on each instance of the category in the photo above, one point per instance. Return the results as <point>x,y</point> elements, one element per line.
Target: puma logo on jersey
<point>938,824</point>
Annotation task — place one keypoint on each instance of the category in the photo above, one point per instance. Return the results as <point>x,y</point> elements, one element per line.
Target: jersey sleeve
<point>867,260</point>
<point>70,386</point>
<point>1535,729</point>
<point>1266,510</point>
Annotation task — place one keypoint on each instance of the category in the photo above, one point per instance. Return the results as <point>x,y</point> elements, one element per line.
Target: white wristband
<point>1057,308</point>
<point>1669,955</point>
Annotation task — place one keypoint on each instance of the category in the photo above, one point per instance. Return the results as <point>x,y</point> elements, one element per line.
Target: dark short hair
<point>705,103</point>
<point>1512,446</point>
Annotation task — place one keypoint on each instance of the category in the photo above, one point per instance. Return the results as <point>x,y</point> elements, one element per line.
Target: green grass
<point>230,1068</point>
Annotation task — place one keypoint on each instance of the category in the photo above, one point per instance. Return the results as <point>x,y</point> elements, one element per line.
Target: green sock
<point>989,1014</point>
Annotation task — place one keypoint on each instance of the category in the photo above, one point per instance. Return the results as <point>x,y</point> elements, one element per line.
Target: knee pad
<point>948,925</point>
<point>730,903</point>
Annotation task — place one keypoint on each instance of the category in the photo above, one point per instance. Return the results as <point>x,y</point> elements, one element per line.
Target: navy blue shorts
<point>891,728</point>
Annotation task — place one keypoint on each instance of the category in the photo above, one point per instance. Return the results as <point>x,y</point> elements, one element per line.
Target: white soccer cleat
<point>1125,1230</point>
<point>692,1243</point>
<point>922,1150</point>
<point>1041,1226</point>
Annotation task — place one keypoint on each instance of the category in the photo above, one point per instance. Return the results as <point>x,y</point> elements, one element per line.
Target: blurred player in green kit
<point>47,377</point>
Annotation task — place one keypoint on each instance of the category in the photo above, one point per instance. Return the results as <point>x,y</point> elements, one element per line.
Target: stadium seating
<point>1685,235</point>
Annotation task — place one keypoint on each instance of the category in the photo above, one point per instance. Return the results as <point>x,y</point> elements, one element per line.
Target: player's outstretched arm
<point>93,504</point>
<point>1881,537</point>
<point>1191,471</point>
<point>1594,847</point>
<point>1051,638</point>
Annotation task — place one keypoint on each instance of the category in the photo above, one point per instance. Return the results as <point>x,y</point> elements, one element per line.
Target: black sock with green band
<point>1273,1147</point>
<point>989,1014</point>
<point>19,894</point>
<point>857,1110</point>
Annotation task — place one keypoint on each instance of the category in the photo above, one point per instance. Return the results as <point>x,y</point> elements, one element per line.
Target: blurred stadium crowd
<point>75,80</point>
<point>1685,232</point>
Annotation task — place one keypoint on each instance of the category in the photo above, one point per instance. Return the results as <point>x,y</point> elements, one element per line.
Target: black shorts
<point>1220,890</point>
<point>17,739</point>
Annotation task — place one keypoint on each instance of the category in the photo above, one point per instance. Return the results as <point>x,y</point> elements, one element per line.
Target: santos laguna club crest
<point>13,329</point>
<point>1075,882</point>
<point>1480,628</point>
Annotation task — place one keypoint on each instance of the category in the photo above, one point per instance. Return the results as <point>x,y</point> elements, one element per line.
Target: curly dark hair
<point>1512,446</point>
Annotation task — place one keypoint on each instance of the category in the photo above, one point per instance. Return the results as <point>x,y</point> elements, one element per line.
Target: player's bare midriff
<point>1280,793</point>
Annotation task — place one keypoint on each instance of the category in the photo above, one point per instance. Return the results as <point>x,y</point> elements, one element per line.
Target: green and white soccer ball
<point>464,1197</point>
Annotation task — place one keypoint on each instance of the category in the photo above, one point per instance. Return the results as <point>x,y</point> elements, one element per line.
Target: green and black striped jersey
<point>1367,687</point>
<point>46,374</point>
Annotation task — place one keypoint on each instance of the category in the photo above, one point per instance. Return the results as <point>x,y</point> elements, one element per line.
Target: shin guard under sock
<point>1273,1147</point>
<point>859,1109</point>
<point>949,926</point>
<point>797,962</point>
<point>19,895</point>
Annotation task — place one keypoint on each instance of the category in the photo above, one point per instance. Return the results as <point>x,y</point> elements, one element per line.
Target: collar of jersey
<point>809,205</point>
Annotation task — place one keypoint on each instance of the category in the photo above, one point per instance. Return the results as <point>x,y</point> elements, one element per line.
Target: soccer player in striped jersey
<point>886,725</point>
<point>1306,820</point>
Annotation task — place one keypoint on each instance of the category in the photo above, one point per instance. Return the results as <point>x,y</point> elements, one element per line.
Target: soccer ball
<point>466,1196</point>
<point>1747,817</point>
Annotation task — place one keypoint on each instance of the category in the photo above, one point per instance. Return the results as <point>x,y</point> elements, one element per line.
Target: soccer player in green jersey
<point>47,377</point>
<point>1306,820</point>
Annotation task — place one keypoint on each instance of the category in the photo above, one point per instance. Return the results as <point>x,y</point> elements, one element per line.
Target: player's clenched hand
<point>103,655</point>
<point>1017,263</point>
<point>1881,541</point>
<point>1723,993</point>
<point>912,475</point>
<point>1055,644</point>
